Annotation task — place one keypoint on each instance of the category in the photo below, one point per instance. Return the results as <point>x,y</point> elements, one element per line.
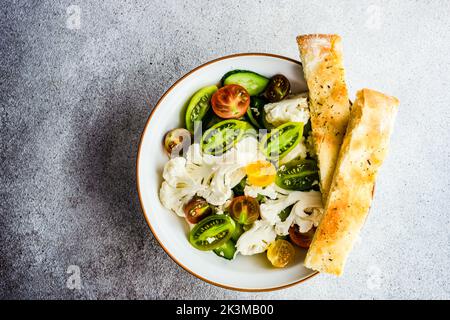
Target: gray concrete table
<point>78,79</point>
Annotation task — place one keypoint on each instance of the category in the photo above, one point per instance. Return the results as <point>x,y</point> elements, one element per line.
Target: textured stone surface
<point>75,95</point>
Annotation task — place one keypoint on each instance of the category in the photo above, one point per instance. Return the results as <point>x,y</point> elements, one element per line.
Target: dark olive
<point>197,209</point>
<point>278,88</point>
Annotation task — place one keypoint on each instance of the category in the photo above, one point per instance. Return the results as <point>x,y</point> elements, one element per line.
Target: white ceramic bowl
<point>245,273</point>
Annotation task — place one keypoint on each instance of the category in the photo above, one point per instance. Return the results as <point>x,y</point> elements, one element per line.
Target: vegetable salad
<point>242,171</point>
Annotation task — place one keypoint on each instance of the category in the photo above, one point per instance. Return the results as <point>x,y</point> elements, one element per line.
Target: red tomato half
<point>230,101</point>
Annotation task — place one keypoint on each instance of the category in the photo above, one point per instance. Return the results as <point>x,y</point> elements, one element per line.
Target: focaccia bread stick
<point>362,153</point>
<point>323,68</point>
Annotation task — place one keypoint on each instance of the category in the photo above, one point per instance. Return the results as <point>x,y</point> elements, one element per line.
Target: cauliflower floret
<point>213,173</point>
<point>228,170</point>
<point>311,201</point>
<point>245,152</point>
<point>224,179</point>
<point>175,172</point>
<point>211,177</point>
<point>269,191</point>
<point>292,109</point>
<point>169,200</point>
<point>257,239</point>
<point>306,221</point>
<point>178,187</point>
<point>199,165</point>
<point>223,208</point>
<point>194,155</point>
<point>271,208</point>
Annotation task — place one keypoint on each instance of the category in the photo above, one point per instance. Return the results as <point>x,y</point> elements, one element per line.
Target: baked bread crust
<point>362,153</point>
<point>323,68</point>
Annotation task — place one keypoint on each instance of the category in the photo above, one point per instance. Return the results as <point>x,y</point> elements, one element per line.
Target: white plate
<point>245,273</point>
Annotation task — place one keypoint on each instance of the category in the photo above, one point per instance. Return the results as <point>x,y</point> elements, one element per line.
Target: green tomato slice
<point>212,232</point>
<point>198,106</point>
<point>299,175</point>
<point>281,140</point>
<point>224,135</point>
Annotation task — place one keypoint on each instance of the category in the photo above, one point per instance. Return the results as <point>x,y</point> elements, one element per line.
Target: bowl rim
<point>258,54</point>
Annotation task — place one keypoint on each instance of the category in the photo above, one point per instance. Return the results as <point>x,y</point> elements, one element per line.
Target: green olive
<point>278,88</point>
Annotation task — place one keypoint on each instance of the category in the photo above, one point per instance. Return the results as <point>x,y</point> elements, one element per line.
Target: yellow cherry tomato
<point>260,173</point>
<point>280,253</point>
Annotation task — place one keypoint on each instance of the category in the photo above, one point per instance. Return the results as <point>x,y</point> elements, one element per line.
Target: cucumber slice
<point>253,82</point>
<point>198,106</point>
<point>281,140</point>
<point>299,175</point>
<point>227,250</point>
